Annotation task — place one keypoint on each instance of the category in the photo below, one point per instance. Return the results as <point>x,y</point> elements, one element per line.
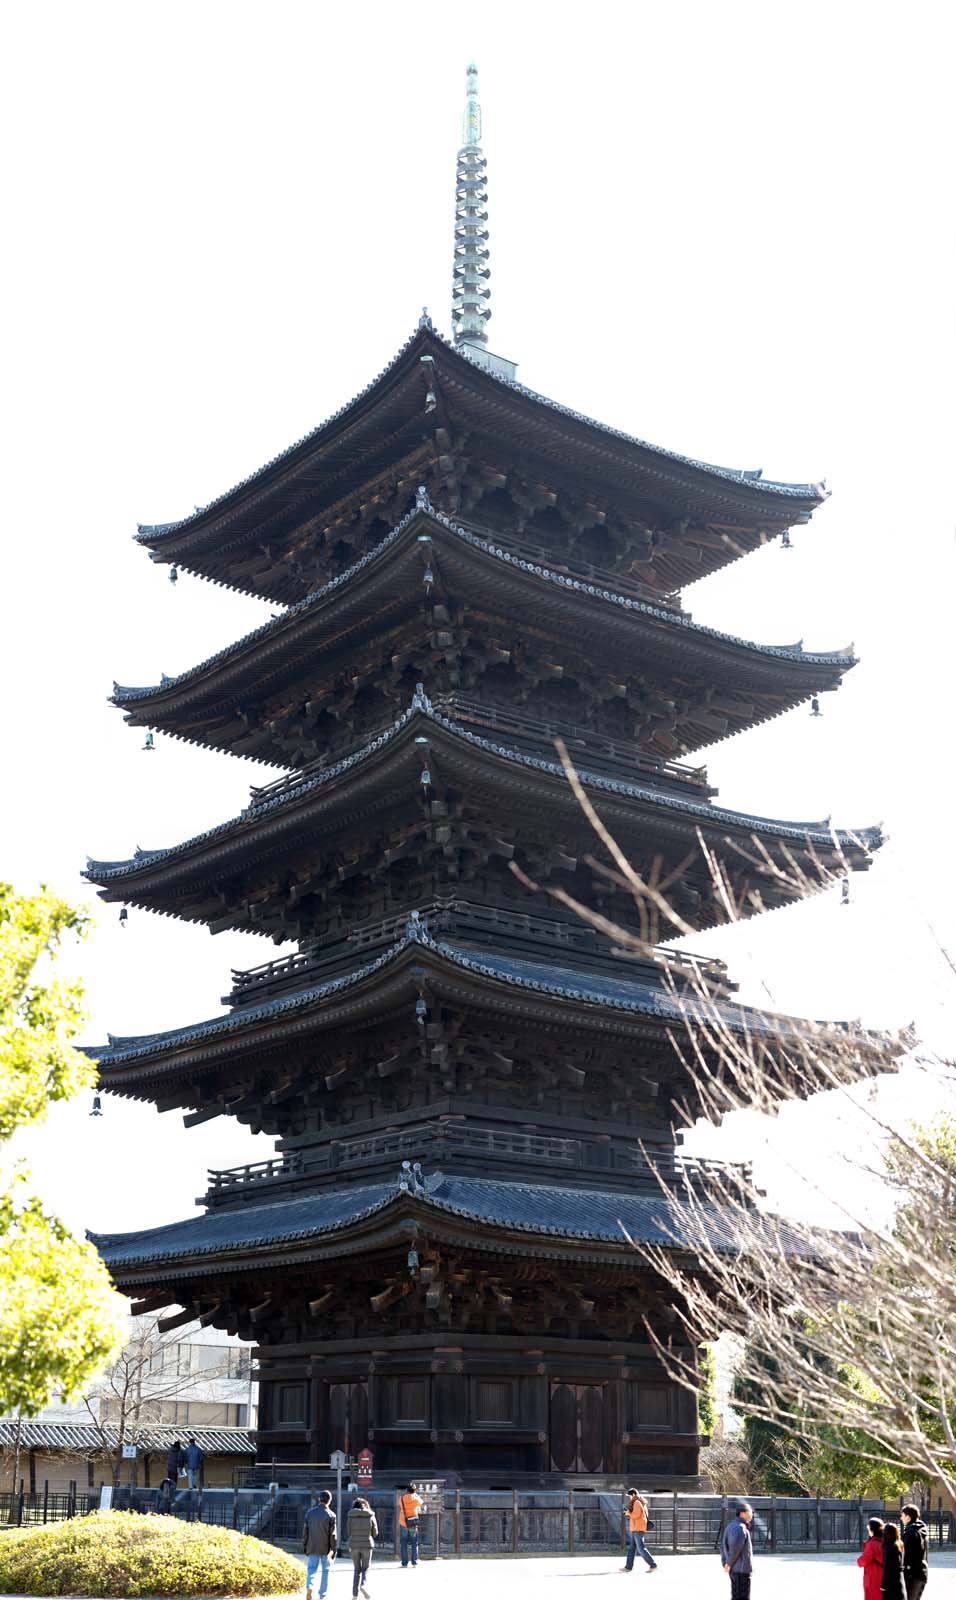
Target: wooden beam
<point>178,1320</point>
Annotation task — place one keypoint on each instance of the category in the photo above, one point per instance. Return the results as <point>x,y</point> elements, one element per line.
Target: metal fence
<point>20,1509</point>
<point>498,1522</point>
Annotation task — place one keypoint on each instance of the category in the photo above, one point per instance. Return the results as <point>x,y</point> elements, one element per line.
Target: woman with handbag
<point>637,1523</point>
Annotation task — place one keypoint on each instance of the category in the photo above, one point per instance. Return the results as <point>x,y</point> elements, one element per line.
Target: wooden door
<point>346,1411</point>
<point>577,1427</point>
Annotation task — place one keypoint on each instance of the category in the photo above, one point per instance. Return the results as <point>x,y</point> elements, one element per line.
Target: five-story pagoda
<point>467,1085</point>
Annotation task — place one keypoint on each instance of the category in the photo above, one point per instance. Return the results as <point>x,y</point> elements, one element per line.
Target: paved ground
<point>696,1577</point>
<point>691,1577</point>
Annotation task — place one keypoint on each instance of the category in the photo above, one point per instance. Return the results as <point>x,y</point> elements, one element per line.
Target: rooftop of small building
<point>89,1440</point>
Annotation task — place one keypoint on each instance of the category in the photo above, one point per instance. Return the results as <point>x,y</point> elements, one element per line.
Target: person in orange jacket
<point>871,1560</point>
<point>409,1507</point>
<point>635,1512</point>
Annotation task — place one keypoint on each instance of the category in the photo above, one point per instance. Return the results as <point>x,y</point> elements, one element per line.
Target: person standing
<point>194,1457</point>
<point>915,1552</point>
<point>891,1584</point>
<point>362,1533</point>
<point>635,1512</point>
<point>319,1543</point>
<point>174,1460</point>
<point>736,1552</point>
<point>871,1560</point>
<point>409,1509</point>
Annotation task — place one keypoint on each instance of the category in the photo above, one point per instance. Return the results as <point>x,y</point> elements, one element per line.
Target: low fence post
<point>514,1522</point>
<point>458,1522</point>
<point>819,1528</point>
<point>46,1497</point>
<point>772,1516</point>
<point>274,1488</point>
<point>235,1507</point>
<point>20,1506</point>
<point>570,1522</point>
<point>674,1529</point>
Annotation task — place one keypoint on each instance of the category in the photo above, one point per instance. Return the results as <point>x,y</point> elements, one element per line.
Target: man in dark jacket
<point>736,1552</point>
<point>174,1460</point>
<point>319,1543</point>
<point>195,1456</point>
<point>915,1552</point>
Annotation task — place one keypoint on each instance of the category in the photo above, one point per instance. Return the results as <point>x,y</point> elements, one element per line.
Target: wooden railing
<point>520,933</point>
<point>650,1160</point>
<point>594,750</point>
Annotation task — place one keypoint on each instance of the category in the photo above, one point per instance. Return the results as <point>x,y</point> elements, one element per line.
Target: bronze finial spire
<point>470,294</point>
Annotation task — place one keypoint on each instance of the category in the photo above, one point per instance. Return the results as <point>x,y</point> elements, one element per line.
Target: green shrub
<point>121,1553</point>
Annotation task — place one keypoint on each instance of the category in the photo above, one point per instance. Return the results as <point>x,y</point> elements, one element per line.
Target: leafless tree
<point>853,1326</point>
<point>134,1395</point>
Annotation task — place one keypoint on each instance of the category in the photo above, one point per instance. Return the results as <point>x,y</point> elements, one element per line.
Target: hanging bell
<point>845,892</point>
<point>429,577</point>
<point>413,1262</point>
<point>421,1011</point>
<point>785,542</point>
<point>148,745</point>
<point>426,778</point>
<point>174,574</point>
<point>97,1110</point>
<point>123,917</point>
<point>815,707</point>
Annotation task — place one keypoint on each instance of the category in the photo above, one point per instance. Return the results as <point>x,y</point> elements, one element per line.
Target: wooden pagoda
<point>468,1088</point>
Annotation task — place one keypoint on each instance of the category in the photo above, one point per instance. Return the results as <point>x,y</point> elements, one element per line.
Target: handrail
<point>462,916</point>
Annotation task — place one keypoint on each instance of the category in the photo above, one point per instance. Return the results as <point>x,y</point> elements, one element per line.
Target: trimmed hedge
<point>122,1553</point>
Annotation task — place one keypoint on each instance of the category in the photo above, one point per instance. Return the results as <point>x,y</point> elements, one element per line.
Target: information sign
<point>364,1468</point>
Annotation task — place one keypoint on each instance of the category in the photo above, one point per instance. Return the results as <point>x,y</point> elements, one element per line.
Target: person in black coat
<point>891,1586</point>
<point>174,1460</point>
<point>915,1553</point>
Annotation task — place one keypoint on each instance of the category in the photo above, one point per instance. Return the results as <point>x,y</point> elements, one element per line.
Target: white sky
<point>725,228</point>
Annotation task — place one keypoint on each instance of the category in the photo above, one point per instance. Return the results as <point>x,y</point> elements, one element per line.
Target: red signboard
<point>364,1468</point>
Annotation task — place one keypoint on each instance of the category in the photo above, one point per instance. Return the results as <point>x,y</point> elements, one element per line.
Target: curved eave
<point>490,1215</point>
<point>368,596</point>
<point>572,995</point>
<point>206,857</point>
<point>322,460</point>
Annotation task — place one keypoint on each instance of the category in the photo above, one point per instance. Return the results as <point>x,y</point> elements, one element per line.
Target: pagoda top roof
<point>274,650</point>
<point>577,986</point>
<point>232,836</point>
<point>334,459</point>
<point>331,1222</point>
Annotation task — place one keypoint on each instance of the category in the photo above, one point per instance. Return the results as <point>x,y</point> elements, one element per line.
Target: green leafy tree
<point>707,1390</point>
<point>60,1319</point>
<point>808,1456</point>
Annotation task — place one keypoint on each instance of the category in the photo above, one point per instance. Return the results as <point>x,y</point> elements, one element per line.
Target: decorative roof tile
<point>151,533</point>
<point>124,694</point>
<point>540,1210</point>
<point>574,984</point>
<point>818,833</point>
<point>85,1438</point>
